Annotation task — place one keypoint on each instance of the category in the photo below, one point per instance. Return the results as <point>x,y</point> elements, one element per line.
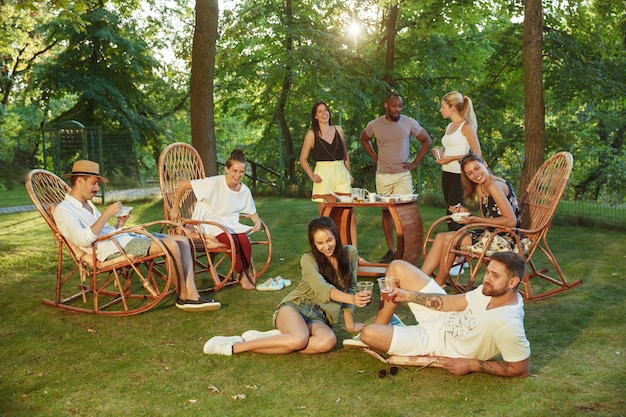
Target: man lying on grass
<point>466,330</point>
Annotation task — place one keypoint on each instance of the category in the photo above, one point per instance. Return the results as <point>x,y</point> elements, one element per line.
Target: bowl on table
<point>392,198</point>
<point>408,197</point>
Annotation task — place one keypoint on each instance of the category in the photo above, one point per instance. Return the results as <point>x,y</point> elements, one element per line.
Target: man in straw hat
<point>81,223</point>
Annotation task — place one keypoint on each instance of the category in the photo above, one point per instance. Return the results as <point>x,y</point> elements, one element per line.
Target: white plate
<point>124,211</point>
<point>345,198</point>
<point>459,216</point>
<point>408,197</point>
<point>391,198</point>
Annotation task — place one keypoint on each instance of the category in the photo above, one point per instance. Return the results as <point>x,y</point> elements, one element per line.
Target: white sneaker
<point>221,345</point>
<point>285,281</point>
<point>270,285</point>
<point>354,342</point>
<point>255,334</point>
<point>458,269</point>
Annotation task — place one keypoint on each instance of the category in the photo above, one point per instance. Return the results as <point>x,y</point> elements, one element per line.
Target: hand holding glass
<point>386,285</point>
<point>365,288</point>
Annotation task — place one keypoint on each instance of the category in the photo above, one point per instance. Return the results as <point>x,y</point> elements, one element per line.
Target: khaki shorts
<point>138,245</point>
<point>401,183</point>
<point>335,178</point>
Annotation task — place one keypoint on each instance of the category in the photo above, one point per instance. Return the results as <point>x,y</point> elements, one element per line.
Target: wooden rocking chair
<point>537,206</point>
<point>181,162</point>
<point>122,286</point>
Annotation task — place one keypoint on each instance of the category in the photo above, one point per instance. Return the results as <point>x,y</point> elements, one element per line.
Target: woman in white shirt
<point>460,138</point>
<point>222,199</point>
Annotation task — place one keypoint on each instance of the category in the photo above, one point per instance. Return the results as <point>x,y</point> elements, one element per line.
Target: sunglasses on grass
<point>384,373</point>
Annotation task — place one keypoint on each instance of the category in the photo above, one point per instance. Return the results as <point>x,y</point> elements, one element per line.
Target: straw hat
<point>84,167</point>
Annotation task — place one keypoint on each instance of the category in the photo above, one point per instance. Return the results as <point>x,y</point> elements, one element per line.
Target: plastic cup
<point>372,197</point>
<point>386,285</point>
<point>361,195</point>
<point>438,152</point>
<point>365,287</point>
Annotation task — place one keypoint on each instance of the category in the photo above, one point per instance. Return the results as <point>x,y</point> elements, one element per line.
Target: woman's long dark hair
<point>340,278</point>
<point>315,125</point>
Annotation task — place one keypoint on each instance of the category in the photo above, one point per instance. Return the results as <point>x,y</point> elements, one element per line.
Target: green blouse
<point>314,288</point>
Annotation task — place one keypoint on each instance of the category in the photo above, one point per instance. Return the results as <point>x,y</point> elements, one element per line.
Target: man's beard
<point>492,292</point>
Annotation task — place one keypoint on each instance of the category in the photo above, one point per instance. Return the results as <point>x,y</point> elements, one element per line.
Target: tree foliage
<point>126,64</point>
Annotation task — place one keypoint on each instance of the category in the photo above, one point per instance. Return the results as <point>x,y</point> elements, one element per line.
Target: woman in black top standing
<point>325,144</point>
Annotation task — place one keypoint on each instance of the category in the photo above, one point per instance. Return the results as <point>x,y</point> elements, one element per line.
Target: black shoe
<point>389,256</point>
<point>201,304</point>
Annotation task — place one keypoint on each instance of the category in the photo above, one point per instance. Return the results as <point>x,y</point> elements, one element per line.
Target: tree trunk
<point>391,44</point>
<point>534,108</point>
<point>289,153</point>
<point>201,86</point>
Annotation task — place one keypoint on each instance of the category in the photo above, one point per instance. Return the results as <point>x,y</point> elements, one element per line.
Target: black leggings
<point>452,193</point>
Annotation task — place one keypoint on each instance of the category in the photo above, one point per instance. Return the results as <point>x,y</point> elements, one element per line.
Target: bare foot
<point>245,282</point>
<point>250,274</point>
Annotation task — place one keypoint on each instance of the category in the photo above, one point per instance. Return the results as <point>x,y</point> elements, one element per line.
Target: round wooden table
<point>407,221</point>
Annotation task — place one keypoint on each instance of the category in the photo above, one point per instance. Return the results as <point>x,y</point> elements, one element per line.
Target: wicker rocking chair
<point>122,286</point>
<point>537,206</point>
<point>181,162</point>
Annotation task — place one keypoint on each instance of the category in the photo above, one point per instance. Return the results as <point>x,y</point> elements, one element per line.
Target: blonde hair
<point>464,106</point>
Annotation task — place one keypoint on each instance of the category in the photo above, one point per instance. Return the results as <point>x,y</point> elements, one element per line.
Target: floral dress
<point>490,210</point>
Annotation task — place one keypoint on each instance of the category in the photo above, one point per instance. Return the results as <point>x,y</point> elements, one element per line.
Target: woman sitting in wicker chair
<point>498,204</point>
<point>222,199</point>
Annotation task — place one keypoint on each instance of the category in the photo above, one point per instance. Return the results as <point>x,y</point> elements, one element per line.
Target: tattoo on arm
<point>432,301</point>
<point>494,367</point>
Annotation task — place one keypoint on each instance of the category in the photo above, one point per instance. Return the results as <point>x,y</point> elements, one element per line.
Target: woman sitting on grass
<point>304,319</point>
<point>498,206</point>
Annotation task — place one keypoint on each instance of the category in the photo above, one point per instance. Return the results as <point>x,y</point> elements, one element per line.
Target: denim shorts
<point>139,245</point>
<point>309,311</point>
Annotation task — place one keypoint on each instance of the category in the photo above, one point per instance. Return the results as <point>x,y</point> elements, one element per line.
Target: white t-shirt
<point>220,204</point>
<point>475,333</point>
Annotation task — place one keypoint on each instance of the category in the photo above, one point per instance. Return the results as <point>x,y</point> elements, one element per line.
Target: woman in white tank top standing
<point>460,138</point>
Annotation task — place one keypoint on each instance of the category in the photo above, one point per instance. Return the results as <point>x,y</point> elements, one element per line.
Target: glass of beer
<point>386,285</point>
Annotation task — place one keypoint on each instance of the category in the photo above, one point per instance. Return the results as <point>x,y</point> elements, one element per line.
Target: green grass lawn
<point>15,197</point>
<point>56,363</point>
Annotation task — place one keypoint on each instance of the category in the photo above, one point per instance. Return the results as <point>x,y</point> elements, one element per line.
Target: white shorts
<point>401,183</point>
<point>420,339</point>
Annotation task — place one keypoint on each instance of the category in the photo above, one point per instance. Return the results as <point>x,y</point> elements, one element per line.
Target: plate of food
<point>344,198</point>
<point>408,197</point>
<point>459,216</point>
<point>124,211</point>
<point>392,198</point>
